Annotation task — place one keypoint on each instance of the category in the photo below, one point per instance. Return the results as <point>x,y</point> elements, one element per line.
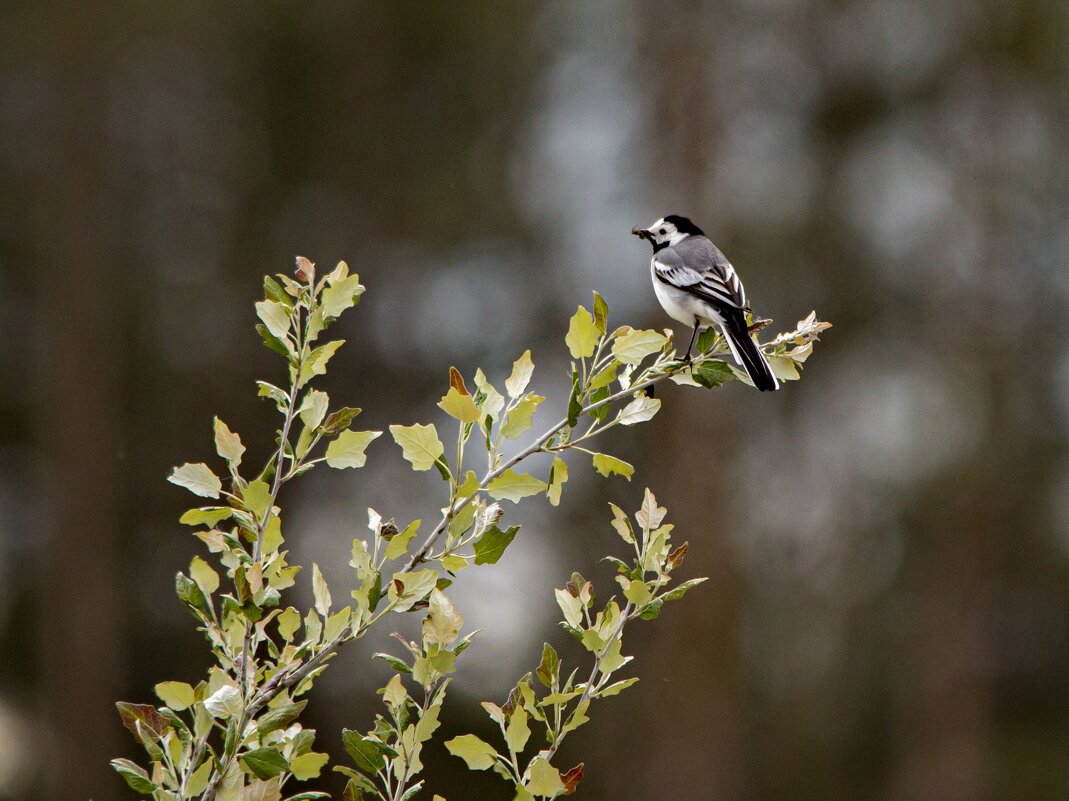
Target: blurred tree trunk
<point>77,416</point>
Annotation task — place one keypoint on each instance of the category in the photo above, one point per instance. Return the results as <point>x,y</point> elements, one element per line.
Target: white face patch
<point>666,232</point>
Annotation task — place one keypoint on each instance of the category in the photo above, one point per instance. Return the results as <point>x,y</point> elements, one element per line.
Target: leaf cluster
<point>558,705</point>
<point>236,735</point>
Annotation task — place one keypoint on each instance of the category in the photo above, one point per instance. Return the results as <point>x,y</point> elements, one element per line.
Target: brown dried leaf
<point>571,778</point>
<point>456,381</point>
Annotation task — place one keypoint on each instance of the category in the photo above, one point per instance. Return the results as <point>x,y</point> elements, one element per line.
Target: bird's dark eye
<point>662,232</point>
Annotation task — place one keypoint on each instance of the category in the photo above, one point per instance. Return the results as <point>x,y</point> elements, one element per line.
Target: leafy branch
<point>565,702</point>
<point>235,736</point>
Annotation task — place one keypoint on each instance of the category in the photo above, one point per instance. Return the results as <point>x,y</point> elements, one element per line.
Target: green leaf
<point>264,763</point>
<point>639,410</point>
<point>783,367</point>
<point>257,498</point>
<point>224,703</point>
<point>267,390</point>
<point>313,408</point>
<point>678,592</point>
<point>519,419</point>
<point>607,465</point>
<point>260,790</point>
<point>227,443</point>
<point>288,623</point>
<point>712,373</point>
<point>443,468</point>
<point>517,732</point>
<point>601,313</point>
<point>283,348</point>
<point>634,346</point>
<point>492,544</point>
<point>134,775</point>
<point>428,722</point>
<point>367,752</point>
<point>208,516</point>
<point>705,340</point>
<point>511,486</point>
<point>549,666</point>
<point>307,766</point>
<point>398,544</point>
<point>316,363</point>
<point>202,573</point>
<point>617,687</point>
<point>276,316</point>
<point>279,717</point>
<point>577,718</point>
<point>491,401</point>
<point>560,698</point>
<point>397,664</point>
<point>575,406</point>
<point>477,754</point>
<point>342,294</point>
<point>599,412</point>
<point>443,621</point>
<point>272,291</point>
<point>571,607</point>
<point>621,523</point>
<point>357,785</point>
<point>336,622</point>
<point>656,549</point>
<point>461,522</point>
<point>558,475</point>
<point>652,609</point>
<point>545,779</point>
<point>198,479</point>
<point>320,591</point>
<point>407,589</point>
<point>198,782</point>
<point>419,444</point>
<point>454,563</point>
<point>606,375</point>
<point>636,591</point>
<point>272,539</point>
<point>348,449</point>
<point>460,405</point>
<point>582,336</point>
<point>522,369</point>
<point>143,716</point>
<point>189,593</point>
<point>469,486</point>
<point>339,421</point>
<point>176,694</point>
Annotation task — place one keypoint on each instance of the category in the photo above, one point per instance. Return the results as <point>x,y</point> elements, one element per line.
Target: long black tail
<point>747,354</point>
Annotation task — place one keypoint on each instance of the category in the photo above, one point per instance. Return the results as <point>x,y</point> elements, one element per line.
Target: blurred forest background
<point>888,540</point>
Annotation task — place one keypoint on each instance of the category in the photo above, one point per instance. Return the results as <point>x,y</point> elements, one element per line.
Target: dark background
<point>887,540</point>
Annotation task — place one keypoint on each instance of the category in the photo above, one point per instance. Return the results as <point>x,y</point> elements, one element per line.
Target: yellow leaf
<point>460,405</point>
<point>583,334</point>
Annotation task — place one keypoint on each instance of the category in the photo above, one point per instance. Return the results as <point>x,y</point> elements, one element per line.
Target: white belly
<point>683,306</point>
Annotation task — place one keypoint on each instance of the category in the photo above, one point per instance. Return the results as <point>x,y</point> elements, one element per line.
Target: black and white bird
<point>697,285</point>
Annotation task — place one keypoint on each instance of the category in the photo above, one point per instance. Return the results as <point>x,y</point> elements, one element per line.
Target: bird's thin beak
<point>640,232</point>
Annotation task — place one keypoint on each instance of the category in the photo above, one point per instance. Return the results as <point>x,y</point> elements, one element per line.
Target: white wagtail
<point>697,285</point>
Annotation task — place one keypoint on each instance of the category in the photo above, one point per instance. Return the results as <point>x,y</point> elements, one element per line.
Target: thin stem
<point>588,689</point>
<point>536,445</point>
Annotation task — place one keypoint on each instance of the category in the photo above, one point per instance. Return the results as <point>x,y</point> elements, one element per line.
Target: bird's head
<point>670,230</point>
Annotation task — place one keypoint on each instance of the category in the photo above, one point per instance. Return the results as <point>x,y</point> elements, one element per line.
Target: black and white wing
<point>697,267</point>
<point>668,267</point>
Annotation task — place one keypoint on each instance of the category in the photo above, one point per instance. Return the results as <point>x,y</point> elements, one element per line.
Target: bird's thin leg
<point>693,336</point>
